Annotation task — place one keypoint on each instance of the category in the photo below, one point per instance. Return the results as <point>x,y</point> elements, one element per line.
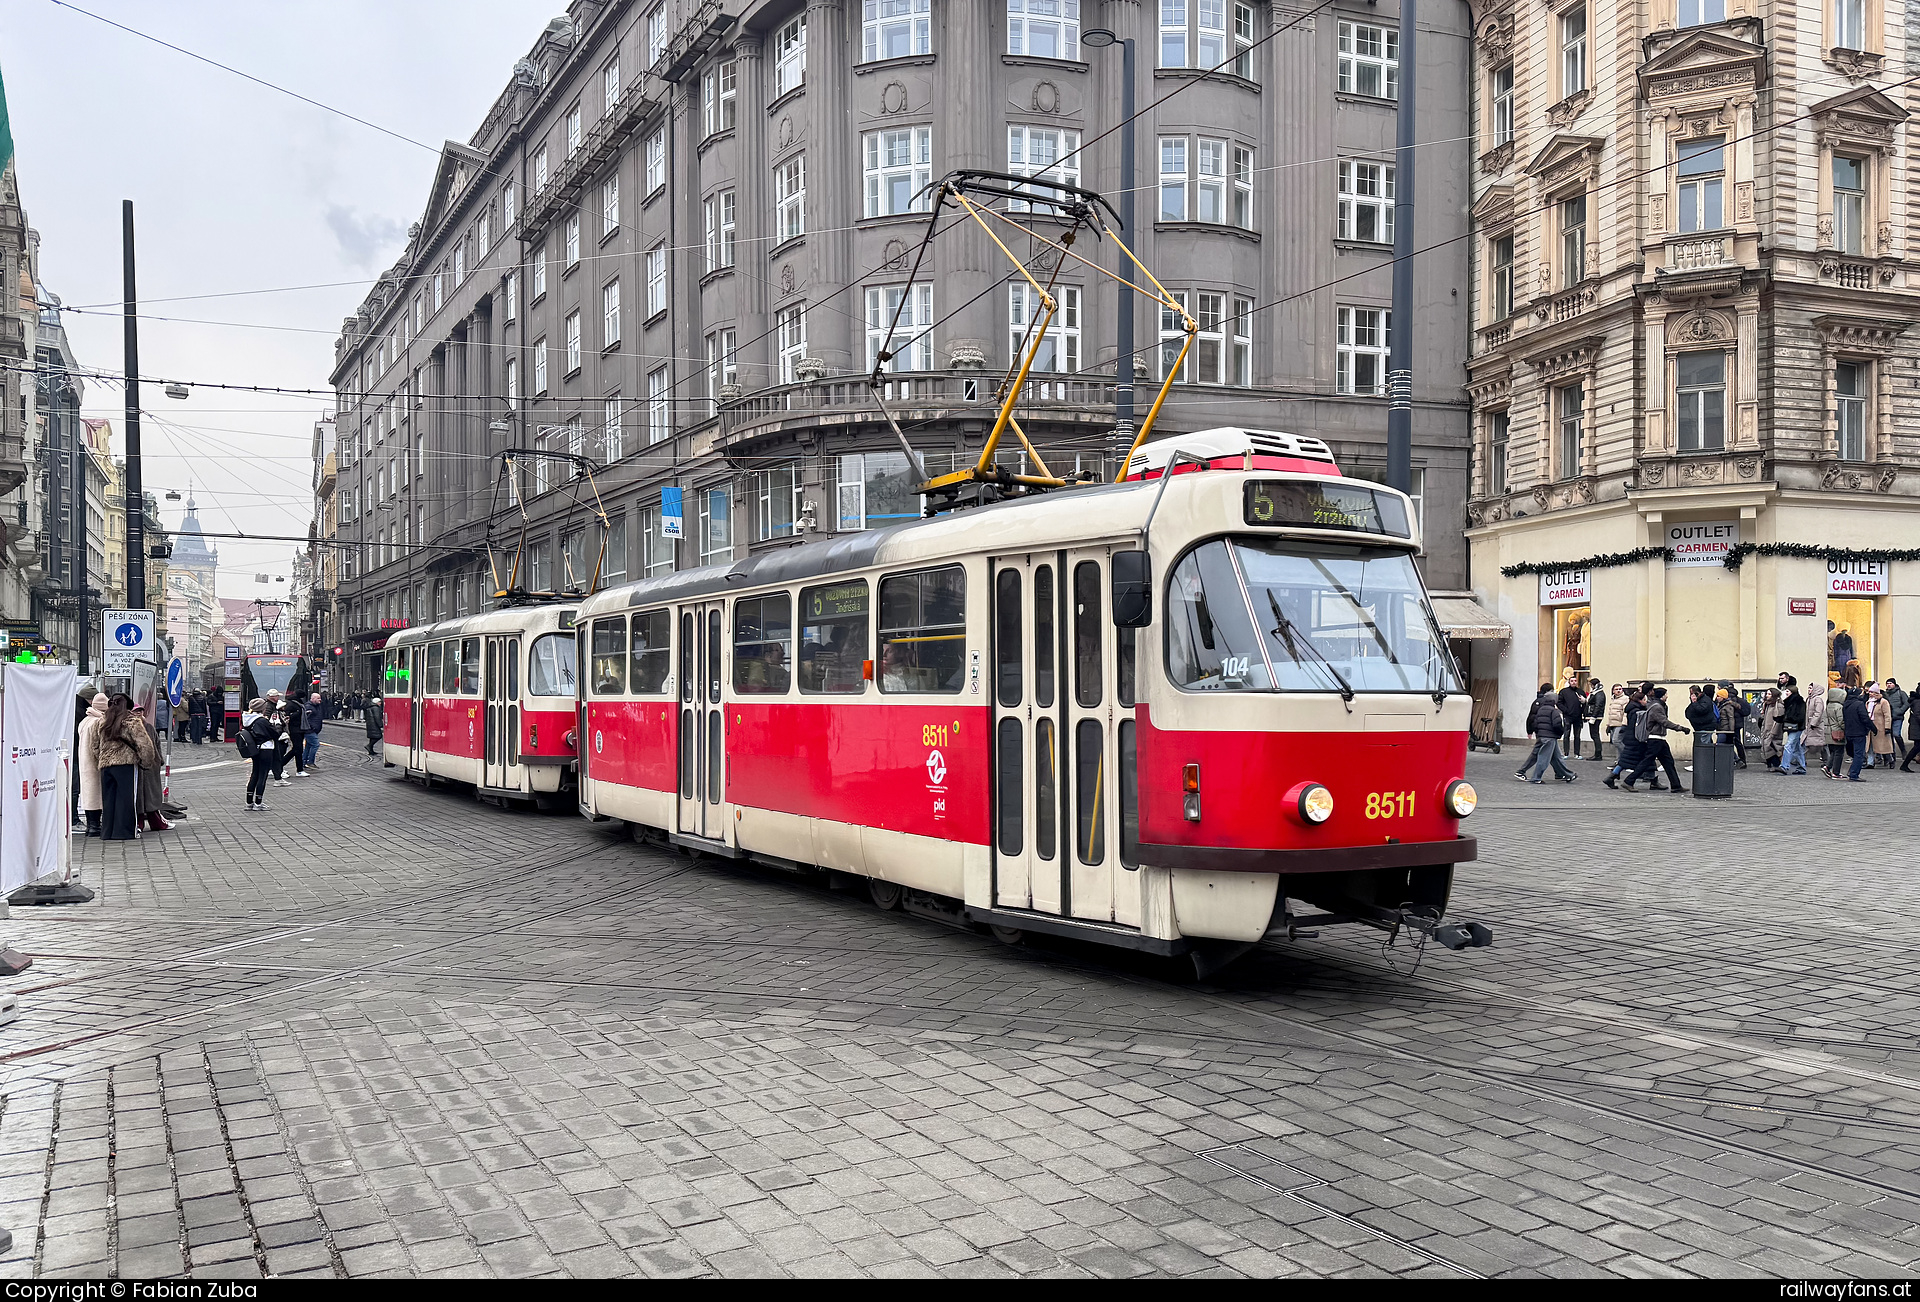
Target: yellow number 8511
<point>1390,804</point>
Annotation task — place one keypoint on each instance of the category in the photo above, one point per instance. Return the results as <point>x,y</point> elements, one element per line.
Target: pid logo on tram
<point>936,768</point>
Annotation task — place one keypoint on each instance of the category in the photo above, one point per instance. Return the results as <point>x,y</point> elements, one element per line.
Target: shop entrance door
<point>702,732</point>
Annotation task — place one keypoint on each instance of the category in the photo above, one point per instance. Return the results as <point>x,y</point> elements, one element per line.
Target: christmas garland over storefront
<point>1811,552</point>
<point>1612,560</point>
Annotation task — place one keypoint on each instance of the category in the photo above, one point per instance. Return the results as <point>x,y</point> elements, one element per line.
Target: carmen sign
<point>1851,578</point>
<point>1702,542</point>
<point>1566,588</point>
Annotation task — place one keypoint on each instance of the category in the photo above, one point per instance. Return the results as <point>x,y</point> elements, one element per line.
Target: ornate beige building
<point>1695,288</point>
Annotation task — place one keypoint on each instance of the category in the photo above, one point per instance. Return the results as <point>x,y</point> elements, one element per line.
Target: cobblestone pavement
<point>384,1030</point>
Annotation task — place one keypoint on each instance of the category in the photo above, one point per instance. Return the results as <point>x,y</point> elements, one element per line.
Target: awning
<point>1465,619</point>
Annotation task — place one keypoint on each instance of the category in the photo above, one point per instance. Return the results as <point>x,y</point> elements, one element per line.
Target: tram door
<point>702,733</point>
<point>1028,648</point>
<point>502,684</point>
<point>416,695</point>
<point>1101,824</point>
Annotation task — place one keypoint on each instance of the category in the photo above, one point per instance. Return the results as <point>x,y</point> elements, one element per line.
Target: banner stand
<point>36,756</point>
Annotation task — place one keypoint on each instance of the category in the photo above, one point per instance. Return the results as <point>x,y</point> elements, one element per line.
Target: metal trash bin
<point>1712,769</point>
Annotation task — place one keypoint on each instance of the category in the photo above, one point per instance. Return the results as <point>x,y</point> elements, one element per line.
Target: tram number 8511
<point>1389,804</point>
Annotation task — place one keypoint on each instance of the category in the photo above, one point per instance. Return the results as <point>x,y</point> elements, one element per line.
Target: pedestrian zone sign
<point>128,637</point>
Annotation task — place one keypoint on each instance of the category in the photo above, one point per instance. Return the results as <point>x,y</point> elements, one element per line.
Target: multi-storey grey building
<point>673,245</point>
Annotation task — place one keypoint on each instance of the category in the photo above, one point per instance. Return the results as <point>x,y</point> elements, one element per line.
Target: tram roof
<point>508,619</point>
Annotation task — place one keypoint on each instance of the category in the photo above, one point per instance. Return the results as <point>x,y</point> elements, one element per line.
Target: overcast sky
<point>238,188</point>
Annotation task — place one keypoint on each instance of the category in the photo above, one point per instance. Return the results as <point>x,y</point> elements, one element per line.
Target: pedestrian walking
<point>1572,704</point>
<point>376,722</point>
<point>122,746</point>
<point>1913,739</point>
<point>1880,716</point>
<point>1773,729</point>
<point>1652,731</point>
<point>1628,748</point>
<point>313,718</point>
<point>1615,719</point>
<point>197,718</point>
<point>1898,702</point>
<point>259,742</point>
<point>151,784</point>
<point>1547,724</point>
<point>1735,710</point>
<point>1857,721</point>
<point>1595,712</point>
<point>86,750</point>
<point>293,712</point>
<point>1836,725</point>
<point>1793,728</point>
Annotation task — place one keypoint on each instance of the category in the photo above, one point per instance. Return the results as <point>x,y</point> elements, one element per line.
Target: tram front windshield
<point>1270,614</point>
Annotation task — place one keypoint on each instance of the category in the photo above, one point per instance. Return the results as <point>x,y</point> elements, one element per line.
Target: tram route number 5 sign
<point>128,636</point>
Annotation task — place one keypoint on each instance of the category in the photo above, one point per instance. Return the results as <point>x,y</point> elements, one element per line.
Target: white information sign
<point>1702,542</point>
<point>1566,588</point>
<point>1851,578</point>
<point>36,730</point>
<point>127,636</point>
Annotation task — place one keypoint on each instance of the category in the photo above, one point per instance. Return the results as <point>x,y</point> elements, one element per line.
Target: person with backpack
<point>1547,725</point>
<point>259,742</point>
<point>1651,729</point>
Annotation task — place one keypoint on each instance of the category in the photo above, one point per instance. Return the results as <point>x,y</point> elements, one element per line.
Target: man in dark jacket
<point>1857,720</point>
<point>312,720</point>
<point>1573,705</point>
<point>1651,728</point>
<point>1793,728</point>
<point>376,723</point>
<point>1546,725</point>
<point>1596,710</point>
<point>1631,749</point>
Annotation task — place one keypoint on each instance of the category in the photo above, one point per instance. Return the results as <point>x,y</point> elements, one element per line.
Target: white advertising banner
<point>36,737</point>
<point>1851,578</point>
<point>1702,542</point>
<point>1566,588</point>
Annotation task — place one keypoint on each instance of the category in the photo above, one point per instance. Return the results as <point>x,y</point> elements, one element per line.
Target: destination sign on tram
<point>840,599</point>
<point>1326,504</point>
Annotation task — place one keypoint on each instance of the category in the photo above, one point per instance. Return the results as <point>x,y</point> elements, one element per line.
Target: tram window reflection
<point>1046,794</point>
<point>1043,636</point>
<point>608,665</point>
<point>762,639</point>
<point>433,669</point>
<point>923,631</point>
<point>833,637</point>
<point>1211,642</point>
<point>450,669</point>
<point>1006,637</point>
<point>470,666</point>
<point>1086,633</point>
<point>652,654</point>
<point>550,666</point>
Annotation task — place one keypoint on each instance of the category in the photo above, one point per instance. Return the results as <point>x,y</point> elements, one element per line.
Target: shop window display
<point>1573,643</point>
<point>1849,641</point>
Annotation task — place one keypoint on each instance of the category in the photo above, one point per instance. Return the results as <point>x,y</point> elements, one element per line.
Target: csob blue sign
<point>127,635</point>
<point>177,681</point>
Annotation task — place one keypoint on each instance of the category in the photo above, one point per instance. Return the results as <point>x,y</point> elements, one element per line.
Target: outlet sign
<point>1702,542</point>
<point>1566,588</point>
<point>1853,578</point>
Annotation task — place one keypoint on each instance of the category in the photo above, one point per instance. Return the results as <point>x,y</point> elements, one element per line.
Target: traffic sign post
<point>128,637</point>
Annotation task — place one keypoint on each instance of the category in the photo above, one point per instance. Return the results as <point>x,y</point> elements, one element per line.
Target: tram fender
<point>1223,905</point>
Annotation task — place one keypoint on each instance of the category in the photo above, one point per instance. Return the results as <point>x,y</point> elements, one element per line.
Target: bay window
<point>895,29</point>
<point>899,164</point>
<point>1044,29</point>
<point>1700,394</point>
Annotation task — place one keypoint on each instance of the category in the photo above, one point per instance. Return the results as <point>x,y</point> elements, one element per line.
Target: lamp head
<point>1098,37</point>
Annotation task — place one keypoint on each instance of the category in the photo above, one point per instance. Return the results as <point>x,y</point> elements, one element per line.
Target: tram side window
<point>833,637</point>
<point>1211,642</point>
<point>608,665</point>
<point>550,665</point>
<point>470,666</point>
<point>1086,635</point>
<point>1006,638</point>
<point>433,669</point>
<point>1043,636</point>
<point>923,631</point>
<point>651,652</point>
<point>762,644</point>
<point>449,668</point>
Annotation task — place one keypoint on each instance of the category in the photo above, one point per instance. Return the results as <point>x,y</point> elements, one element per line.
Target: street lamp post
<point>1100,38</point>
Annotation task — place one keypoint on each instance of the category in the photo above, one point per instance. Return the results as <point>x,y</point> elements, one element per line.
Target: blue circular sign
<point>127,635</point>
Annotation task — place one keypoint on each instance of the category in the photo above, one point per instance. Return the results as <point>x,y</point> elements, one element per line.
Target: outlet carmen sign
<point>1566,588</point>
<point>1702,542</point>
<point>1853,578</point>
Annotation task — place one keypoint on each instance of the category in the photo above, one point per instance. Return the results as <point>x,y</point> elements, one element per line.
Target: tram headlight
<point>1312,803</point>
<point>1461,799</point>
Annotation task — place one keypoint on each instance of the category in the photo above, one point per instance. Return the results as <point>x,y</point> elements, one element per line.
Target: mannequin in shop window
<point>1840,642</point>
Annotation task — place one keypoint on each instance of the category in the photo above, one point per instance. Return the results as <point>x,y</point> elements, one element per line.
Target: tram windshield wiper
<point>1285,631</point>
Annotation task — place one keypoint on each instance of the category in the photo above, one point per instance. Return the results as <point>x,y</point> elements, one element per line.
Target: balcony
<point>694,41</point>
<point>919,396</point>
<point>1568,305</point>
<point>602,145</point>
<point>1854,273</point>
<point>1702,254</point>
<point>13,462</point>
<point>13,336</point>
<point>1496,336</point>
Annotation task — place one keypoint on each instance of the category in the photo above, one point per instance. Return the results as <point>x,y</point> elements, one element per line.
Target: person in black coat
<point>1857,721</point>
<point>1573,704</point>
<point>376,723</point>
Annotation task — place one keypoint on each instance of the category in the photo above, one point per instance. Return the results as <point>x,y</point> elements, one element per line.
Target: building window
<point>509,207</point>
<point>1497,432</point>
<point>720,223</point>
<point>656,34</point>
<point>459,266</point>
<point>1702,169</point>
<point>573,342</point>
<point>573,131</point>
<point>1040,151</point>
<point>1044,29</point>
<point>1173,178</point>
<point>1369,60</point>
<point>612,430</point>
<point>1209,182</point>
<point>1243,187</point>
<point>511,293</point>
<point>777,494</point>
<point>659,406</point>
<point>1222,351</point>
<point>1500,278</point>
<point>913,342</point>
<point>540,273</point>
<point>656,550</point>
<point>790,199</point>
<point>1698,13</point>
<point>1366,202</point>
<point>790,327</point>
<point>1501,92</point>
<point>440,288</point>
<point>613,569</point>
<point>716,527</point>
<point>610,205</point>
<point>1210,186</point>
<point>875,490</point>
<point>573,240</point>
<point>1850,389</point>
<point>899,166</point>
<point>540,366</point>
<point>1059,351</point>
<point>1570,402</point>
<point>610,85</point>
<point>540,169</point>
<point>1360,364</point>
<point>895,29</point>
<point>1573,241</point>
<point>576,445</point>
<point>656,160</point>
<point>1700,382</point>
<point>1850,24</point>
<point>717,96</point>
<point>1243,41</point>
<point>1205,39</point>
<point>610,313</point>
<point>722,365</point>
<point>656,280</point>
<point>790,56</point>
<point>1849,203</point>
<point>1573,52</point>
<point>513,381</point>
<point>484,234</point>
<point>540,460</point>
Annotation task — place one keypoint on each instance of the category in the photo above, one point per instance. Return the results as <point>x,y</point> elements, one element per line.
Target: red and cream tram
<point>487,700</point>
<point>1158,713</point>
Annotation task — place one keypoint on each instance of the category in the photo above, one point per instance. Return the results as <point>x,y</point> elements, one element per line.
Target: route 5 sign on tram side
<point>127,636</point>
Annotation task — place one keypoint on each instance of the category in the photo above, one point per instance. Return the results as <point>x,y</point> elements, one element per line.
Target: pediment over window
<point>1860,116</point>
<point>459,165</point>
<point>1564,157</point>
<point>1704,61</point>
<point>1495,207</point>
<point>1875,336</point>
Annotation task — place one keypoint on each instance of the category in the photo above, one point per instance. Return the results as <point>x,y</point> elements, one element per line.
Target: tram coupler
<point>1454,935</point>
<point>1423,919</point>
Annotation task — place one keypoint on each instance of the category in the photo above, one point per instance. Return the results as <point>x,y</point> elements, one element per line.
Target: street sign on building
<point>128,637</point>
